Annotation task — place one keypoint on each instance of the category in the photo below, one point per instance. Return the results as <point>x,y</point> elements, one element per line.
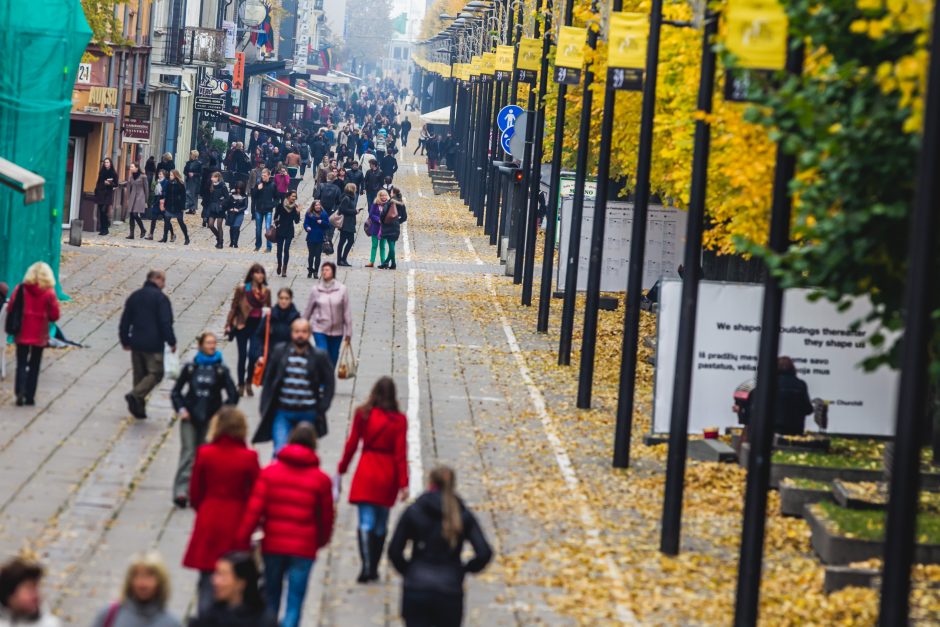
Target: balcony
<point>191,46</point>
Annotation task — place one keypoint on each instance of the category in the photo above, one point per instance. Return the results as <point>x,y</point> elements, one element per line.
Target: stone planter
<point>794,499</point>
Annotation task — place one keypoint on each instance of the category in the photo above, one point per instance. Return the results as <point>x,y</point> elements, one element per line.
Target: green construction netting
<point>42,45</point>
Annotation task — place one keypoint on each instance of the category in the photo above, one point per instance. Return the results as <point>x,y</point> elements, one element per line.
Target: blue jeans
<point>329,343</point>
<point>297,570</point>
<point>284,422</point>
<point>373,518</point>
<point>262,218</point>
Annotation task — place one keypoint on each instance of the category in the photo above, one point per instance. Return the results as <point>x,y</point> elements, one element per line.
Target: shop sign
<point>102,101</point>
<point>137,125</point>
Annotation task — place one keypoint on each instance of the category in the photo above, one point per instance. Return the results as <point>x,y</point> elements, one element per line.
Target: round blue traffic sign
<point>507,117</point>
<point>504,139</point>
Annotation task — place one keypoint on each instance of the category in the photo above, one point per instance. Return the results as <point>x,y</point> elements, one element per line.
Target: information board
<point>817,336</point>
<point>665,235</point>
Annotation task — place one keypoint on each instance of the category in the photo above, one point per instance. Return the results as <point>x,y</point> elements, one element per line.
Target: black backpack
<point>14,322</point>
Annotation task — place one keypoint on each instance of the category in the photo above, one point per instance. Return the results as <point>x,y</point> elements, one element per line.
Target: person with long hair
<point>382,473</point>
<point>236,591</point>
<point>173,205</point>
<point>144,596</point>
<point>375,225</point>
<point>223,476</point>
<point>218,194</point>
<point>282,316</point>
<point>317,226</point>
<point>251,297</point>
<point>196,397</point>
<point>286,215</point>
<point>392,216</point>
<point>437,524</point>
<point>347,233</point>
<point>235,206</point>
<point>104,194</point>
<point>136,203</point>
<point>293,502</point>
<point>159,191</point>
<point>39,305</point>
<point>329,313</point>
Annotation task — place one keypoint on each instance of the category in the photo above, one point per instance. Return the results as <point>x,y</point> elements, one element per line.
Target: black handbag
<point>327,244</point>
<point>14,321</point>
<point>319,423</point>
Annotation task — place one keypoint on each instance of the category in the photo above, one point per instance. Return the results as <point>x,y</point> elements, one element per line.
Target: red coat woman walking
<point>224,474</point>
<point>36,302</point>
<point>382,473</point>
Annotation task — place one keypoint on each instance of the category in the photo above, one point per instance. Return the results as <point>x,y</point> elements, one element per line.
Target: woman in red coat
<point>382,473</point>
<point>40,307</point>
<point>293,501</point>
<point>224,474</point>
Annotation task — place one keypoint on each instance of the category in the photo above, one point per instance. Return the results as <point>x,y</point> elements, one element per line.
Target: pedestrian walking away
<point>193,177</point>
<point>144,596</point>
<point>436,526</point>
<point>286,215</point>
<point>382,473</point>
<point>224,474</point>
<point>263,201</point>
<point>196,397</point>
<point>236,590</point>
<point>218,195</point>
<point>405,129</point>
<point>293,502</point>
<point>329,313</point>
<point>136,202</point>
<point>316,224</point>
<point>392,216</point>
<point>375,225</point>
<point>298,386</point>
<point>20,596</point>
<point>104,194</point>
<point>251,297</point>
<point>173,206</point>
<point>30,310</point>
<point>146,328</point>
<point>347,232</point>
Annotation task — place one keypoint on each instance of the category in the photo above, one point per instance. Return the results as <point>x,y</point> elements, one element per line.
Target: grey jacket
<point>137,193</point>
<point>133,614</point>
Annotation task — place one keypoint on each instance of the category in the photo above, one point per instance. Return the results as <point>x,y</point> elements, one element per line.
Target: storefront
<point>94,113</point>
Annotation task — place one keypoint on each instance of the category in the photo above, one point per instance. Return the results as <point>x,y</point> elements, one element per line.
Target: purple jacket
<point>375,214</point>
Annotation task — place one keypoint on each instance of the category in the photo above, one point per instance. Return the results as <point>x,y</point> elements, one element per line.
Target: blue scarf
<point>208,360</point>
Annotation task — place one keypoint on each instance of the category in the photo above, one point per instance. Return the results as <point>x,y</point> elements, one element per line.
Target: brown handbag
<point>258,375</point>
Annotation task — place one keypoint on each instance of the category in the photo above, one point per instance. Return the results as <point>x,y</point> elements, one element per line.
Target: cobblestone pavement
<point>84,486</point>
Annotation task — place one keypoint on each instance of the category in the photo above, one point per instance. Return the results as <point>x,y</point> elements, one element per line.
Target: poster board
<point>665,235</point>
<point>814,334</point>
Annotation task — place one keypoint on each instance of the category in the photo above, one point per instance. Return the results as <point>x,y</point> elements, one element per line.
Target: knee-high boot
<point>376,546</point>
<point>365,544</point>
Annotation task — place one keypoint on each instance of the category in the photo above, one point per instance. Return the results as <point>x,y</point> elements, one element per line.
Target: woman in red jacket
<point>39,308</point>
<point>224,474</point>
<point>293,501</point>
<point>382,473</point>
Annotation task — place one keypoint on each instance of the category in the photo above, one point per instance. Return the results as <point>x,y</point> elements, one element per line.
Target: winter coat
<point>383,465</point>
<point>347,207</point>
<point>104,191</point>
<point>791,405</point>
<point>194,167</point>
<point>328,309</point>
<point>204,383</point>
<point>392,230</point>
<point>40,307</point>
<point>388,165</point>
<point>316,226</point>
<point>375,216</point>
<point>434,566</point>
<point>319,373</point>
<point>329,195</point>
<point>147,321</point>
<point>235,210</point>
<point>159,191</point>
<point>281,319</point>
<point>217,196</point>
<point>221,615</point>
<point>264,199</point>
<point>373,180</point>
<point>241,307</point>
<point>224,474</point>
<point>46,619</point>
<point>282,182</point>
<point>284,219</point>
<point>133,614</point>
<point>174,200</point>
<point>137,193</point>
<point>293,502</point>
<point>166,166</point>
<point>356,177</point>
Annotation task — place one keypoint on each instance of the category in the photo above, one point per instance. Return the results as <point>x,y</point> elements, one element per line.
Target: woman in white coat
<point>328,313</point>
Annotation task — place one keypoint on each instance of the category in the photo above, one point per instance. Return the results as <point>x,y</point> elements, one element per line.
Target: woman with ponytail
<point>437,525</point>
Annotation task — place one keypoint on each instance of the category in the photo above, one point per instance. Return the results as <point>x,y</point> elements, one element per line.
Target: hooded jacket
<point>293,502</point>
<point>328,309</point>
<point>40,307</point>
<point>434,566</point>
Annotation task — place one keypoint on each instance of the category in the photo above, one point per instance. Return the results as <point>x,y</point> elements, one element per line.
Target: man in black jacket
<point>146,326</point>
<point>298,387</point>
<point>372,182</point>
<point>263,201</point>
<point>389,164</point>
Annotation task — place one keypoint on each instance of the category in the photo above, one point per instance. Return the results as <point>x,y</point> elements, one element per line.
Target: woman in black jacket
<point>203,381</point>
<point>104,194</point>
<point>215,211</point>
<point>437,525</point>
<point>173,205</point>
<point>347,233</point>
<point>392,215</point>
<point>282,315</point>
<point>192,172</point>
<point>263,201</point>
<point>286,215</point>
<point>237,591</point>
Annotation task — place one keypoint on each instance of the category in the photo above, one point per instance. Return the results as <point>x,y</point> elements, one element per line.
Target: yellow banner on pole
<point>476,66</point>
<point>570,51</point>
<point>756,33</point>
<point>489,63</point>
<point>530,54</point>
<point>504,58</point>
<point>627,42</point>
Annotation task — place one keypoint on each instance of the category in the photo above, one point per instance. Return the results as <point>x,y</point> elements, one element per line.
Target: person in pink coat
<point>382,473</point>
<point>35,305</point>
<point>328,312</point>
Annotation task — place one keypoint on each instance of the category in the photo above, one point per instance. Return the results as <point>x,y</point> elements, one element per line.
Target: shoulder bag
<point>336,220</point>
<point>257,377</point>
<point>271,233</point>
<point>14,321</point>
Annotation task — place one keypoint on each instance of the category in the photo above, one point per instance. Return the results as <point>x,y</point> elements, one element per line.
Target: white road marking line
<point>415,464</point>
<point>568,472</point>
<point>473,250</point>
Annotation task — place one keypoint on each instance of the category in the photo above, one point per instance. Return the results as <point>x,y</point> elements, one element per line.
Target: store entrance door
<point>74,174</point>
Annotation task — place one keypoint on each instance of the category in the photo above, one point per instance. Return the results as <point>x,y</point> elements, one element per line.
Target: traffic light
<point>517,177</point>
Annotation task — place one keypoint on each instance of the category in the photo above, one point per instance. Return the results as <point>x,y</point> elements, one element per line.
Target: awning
<point>329,79</point>
<point>297,91</point>
<point>441,116</point>
<point>250,124</point>
<point>352,76</point>
<point>20,179</point>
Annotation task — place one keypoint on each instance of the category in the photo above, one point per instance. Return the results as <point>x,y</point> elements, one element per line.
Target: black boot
<point>365,544</point>
<point>376,546</point>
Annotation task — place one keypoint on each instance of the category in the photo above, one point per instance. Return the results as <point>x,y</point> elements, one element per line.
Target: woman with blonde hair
<point>31,308</point>
<point>144,596</point>
<point>223,477</point>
